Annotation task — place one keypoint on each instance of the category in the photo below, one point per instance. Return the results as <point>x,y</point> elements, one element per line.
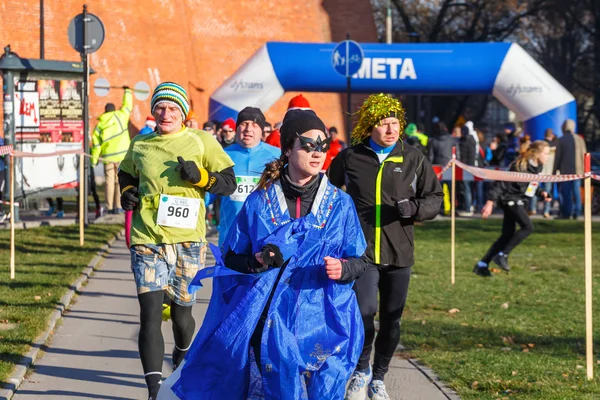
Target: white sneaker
<point>357,385</point>
<point>377,391</point>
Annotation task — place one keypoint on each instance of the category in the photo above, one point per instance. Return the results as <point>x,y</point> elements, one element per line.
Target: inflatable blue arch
<point>502,69</point>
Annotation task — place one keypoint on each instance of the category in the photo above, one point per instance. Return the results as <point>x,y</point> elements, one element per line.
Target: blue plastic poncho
<point>313,334</point>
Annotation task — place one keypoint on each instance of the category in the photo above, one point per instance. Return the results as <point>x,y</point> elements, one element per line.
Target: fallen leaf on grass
<point>531,345</point>
<point>479,345</point>
<point>453,311</point>
<point>464,324</point>
<point>565,375</point>
<point>542,246</point>
<point>504,305</point>
<point>579,367</point>
<point>515,373</point>
<point>526,350</point>
<point>37,297</point>
<point>533,268</point>
<point>49,294</point>
<point>423,322</point>
<point>474,385</point>
<point>508,339</point>
<point>506,349</point>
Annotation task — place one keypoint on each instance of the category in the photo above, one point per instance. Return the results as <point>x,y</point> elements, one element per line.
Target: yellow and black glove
<point>189,171</point>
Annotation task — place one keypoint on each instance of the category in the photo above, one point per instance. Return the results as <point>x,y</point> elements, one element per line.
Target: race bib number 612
<point>245,186</point>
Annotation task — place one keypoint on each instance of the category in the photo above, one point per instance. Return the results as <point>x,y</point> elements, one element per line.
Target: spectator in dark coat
<point>498,148</point>
<point>439,152</point>
<point>440,145</point>
<point>466,154</point>
<point>569,156</point>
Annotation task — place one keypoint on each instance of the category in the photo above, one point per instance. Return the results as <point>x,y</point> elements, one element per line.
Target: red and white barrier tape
<point>510,176</point>
<point>37,155</point>
<point>470,173</point>
<point>440,171</point>
<point>4,150</point>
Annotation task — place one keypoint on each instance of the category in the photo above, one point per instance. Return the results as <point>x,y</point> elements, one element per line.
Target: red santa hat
<point>230,123</point>
<point>298,103</point>
<point>151,122</point>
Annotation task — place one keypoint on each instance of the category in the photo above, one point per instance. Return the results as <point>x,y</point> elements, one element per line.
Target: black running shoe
<point>502,261</point>
<point>174,354</point>
<point>482,271</point>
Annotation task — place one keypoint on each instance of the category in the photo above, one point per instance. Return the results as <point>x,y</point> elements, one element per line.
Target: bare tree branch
<point>405,18</point>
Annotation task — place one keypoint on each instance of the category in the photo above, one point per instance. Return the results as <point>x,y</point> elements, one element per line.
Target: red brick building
<point>197,43</point>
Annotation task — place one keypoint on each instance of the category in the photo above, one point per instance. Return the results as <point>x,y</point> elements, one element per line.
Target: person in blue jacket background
<point>250,155</point>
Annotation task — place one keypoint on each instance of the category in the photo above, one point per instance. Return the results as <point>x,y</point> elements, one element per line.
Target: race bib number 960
<point>245,186</point>
<point>179,212</point>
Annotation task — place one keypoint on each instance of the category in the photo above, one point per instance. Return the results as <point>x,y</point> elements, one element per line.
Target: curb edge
<point>20,370</point>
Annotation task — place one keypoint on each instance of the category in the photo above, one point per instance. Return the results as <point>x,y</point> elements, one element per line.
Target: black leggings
<point>392,285</point>
<point>59,203</point>
<point>510,237</point>
<point>92,189</point>
<point>150,341</point>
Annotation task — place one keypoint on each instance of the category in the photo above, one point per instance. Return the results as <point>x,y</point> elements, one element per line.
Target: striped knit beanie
<point>170,92</point>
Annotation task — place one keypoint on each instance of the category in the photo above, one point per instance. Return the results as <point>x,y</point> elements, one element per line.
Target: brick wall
<point>193,42</point>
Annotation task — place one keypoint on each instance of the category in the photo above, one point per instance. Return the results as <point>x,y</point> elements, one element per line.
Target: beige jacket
<point>580,150</point>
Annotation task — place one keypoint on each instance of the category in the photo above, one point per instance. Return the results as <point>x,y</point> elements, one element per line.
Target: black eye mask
<point>311,145</point>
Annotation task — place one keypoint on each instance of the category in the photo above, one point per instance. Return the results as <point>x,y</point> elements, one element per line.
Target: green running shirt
<point>153,158</point>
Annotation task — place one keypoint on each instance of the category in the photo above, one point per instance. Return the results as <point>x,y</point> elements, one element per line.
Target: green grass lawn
<point>48,261</point>
<point>516,336</point>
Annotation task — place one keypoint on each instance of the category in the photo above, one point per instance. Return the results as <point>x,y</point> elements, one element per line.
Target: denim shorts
<point>169,267</point>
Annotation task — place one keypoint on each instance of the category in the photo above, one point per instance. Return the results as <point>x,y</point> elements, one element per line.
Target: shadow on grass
<point>29,285</point>
<point>438,335</point>
<point>540,227</point>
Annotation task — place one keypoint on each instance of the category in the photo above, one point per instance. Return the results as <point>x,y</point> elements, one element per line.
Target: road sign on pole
<point>347,57</point>
<point>86,35</point>
<point>93,37</point>
<point>101,87</point>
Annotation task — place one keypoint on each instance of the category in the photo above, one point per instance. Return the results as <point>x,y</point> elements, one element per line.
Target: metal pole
<point>81,220</point>
<point>348,91</point>
<point>589,335</point>
<point>349,107</point>
<point>83,190</point>
<point>11,159</point>
<point>388,24</point>
<point>9,122</point>
<point>453,221</point>
<point>42,29</point>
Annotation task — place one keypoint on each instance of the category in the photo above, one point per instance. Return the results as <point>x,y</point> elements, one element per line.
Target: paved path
<point>93,354</point>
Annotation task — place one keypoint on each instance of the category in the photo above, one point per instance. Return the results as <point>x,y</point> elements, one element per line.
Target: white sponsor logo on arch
<point>386,68</point>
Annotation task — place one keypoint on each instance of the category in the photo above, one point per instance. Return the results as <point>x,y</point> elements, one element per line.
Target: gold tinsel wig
<point>375,108</point>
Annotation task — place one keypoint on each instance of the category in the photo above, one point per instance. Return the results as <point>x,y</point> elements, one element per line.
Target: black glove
<point>275,261</point>
<point>188,170</point>
<point>407,208</point>
<point>129,199</point>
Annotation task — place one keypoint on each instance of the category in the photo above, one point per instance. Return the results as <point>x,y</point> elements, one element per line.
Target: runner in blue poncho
<point>283,321</point>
